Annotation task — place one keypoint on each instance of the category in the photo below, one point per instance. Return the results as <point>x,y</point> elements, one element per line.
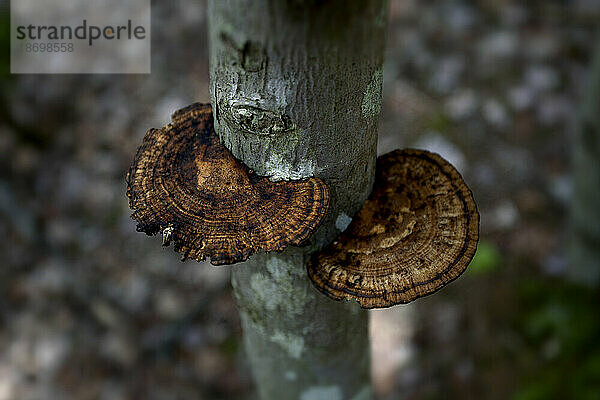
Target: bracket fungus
<point>417,232</point>
<point>186,185</point>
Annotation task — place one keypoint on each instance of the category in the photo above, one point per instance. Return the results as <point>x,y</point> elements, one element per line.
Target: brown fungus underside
<point>185,184</point>
<point>417,232</point>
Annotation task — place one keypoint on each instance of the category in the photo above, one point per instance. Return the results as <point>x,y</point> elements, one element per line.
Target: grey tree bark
<point>585,208</point>
<point>296,91</point>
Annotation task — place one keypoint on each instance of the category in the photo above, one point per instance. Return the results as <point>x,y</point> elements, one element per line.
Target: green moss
<point>230,346</point>
<point>487,259</point>
<point>439,122</point>
<point>560,323</point>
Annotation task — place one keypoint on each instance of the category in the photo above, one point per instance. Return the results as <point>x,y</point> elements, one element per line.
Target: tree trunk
<point>585,208</point>
<point>296,91</point>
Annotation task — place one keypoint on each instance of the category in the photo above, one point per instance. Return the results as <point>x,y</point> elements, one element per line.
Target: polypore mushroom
<point>417,232</point>
<point>185,184</point>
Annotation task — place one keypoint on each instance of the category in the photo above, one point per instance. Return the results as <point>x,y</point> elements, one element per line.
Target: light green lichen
<point>279,290</point>
<point>265,290</point>
<point>282,163</point>
<point>279,269</point>
<point>364,394</point>
<point>290,375</point>
<point>371,103</point>
<point>322,393</point>
<point>381,19</point>
<point>342,222</point>
<point>292,344</point>
<point>278,169</point>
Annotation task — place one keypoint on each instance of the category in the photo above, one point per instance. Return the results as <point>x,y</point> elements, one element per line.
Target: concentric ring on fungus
<point>417,232</point>
<point>185,184</point>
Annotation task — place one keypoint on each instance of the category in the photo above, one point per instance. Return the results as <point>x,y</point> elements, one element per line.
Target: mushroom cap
<point>184,183</point>
<point>417,232</point>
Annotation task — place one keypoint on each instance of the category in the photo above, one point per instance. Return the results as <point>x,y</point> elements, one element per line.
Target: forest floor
<point>90,309</point>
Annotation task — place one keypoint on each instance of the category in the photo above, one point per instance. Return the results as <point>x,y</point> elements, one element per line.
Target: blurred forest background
<point>90,309</point>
